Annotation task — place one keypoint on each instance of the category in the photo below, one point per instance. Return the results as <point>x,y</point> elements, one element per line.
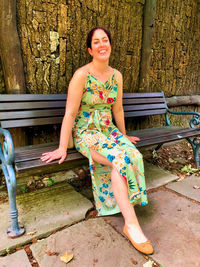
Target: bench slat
<point>53,97</point>
<point>127,101</point>
<point>144,133</point>
<point>31,122</point>
<point>31,114</point>
<point>31,155</point>
<point>30,97</point>
<point>144,107</point>
<point>32,105</point>
<point>142,95</point>
<point>144,113</point>
<point>27,165</point>
<point>166,139</point>
<point>165,132</point>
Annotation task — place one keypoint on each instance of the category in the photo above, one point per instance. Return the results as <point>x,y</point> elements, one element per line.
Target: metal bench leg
<point>14,230</point>
<point>158,147</point>
<point>195,146</point>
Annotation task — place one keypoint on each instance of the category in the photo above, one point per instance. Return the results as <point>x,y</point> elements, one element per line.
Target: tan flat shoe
<point>144,247</point>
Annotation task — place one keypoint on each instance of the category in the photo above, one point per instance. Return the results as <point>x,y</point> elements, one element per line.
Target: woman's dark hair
<point>90,35</point>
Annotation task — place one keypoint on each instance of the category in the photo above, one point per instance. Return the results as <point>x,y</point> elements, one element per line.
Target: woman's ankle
<point>136,233</point>
<point>132,224</point>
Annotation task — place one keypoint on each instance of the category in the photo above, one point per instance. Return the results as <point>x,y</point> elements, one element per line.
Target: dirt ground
<point>177,158</point>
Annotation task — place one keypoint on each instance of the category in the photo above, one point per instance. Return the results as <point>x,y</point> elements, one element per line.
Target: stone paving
<point>18,259</point>
<point>171,221</point>
<point>92,242</point>
<point>43,212</point>
<point>189,187</point>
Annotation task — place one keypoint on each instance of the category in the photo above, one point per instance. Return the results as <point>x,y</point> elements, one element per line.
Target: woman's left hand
<point>133,139</point>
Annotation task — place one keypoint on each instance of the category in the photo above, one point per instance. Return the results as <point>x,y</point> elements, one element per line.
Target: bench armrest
<point>194,122</point>
<point>7,155</point>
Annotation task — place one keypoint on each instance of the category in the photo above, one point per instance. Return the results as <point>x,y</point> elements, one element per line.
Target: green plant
<point>154,154</point>
<point>24,188</point>
<point>188,169</point>
<point>52,182</point>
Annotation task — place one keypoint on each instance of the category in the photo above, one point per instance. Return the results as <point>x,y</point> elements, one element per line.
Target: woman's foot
<point>136,233</point>
<point>138,239</point>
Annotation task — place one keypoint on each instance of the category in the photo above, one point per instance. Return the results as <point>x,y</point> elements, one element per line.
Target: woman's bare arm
<point>75,91</point>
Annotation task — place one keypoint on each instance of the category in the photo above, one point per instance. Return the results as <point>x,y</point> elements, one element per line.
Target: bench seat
<point>28,158</point>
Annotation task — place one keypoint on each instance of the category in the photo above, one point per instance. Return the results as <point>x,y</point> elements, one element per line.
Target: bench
<point>29,110</point>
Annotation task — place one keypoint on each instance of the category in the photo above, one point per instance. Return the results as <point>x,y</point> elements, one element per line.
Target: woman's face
<point>100,46</point>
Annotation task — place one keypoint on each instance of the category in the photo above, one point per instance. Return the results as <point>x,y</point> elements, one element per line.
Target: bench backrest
<point>144,104</point>
<point>32,110</point>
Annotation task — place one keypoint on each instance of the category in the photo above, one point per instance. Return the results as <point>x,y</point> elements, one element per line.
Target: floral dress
<point>93,128</point>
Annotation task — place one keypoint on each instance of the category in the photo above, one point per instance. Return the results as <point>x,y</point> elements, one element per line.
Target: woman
<point>116,166</point>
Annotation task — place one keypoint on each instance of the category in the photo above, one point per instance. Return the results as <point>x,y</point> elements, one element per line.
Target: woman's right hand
<point>53,155</point>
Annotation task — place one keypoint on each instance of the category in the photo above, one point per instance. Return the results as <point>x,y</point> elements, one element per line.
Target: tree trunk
<point>189,100</point>
<point>10,48</point>
<point>11,59</point>
<point>148,20</point>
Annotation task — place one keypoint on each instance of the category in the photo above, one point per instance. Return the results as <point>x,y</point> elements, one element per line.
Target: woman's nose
<point>101,42</point>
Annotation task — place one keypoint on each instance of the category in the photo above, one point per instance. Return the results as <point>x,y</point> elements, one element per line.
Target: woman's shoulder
<point>118,75</point>
<point>81,72</point>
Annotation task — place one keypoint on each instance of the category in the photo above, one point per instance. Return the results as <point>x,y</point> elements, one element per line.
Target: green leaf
<point>7,250</point>
<point>154,153</point>
<point>25,189</point>
<point>52,182</point>
<point>188,168</point>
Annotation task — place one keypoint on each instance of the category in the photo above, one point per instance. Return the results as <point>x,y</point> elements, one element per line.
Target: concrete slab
<point>172,224</point>
<point>186,187</point>
<point>156,176</point>
<point>16,259</point>
<point>42,212</point>
<point>92,242</point>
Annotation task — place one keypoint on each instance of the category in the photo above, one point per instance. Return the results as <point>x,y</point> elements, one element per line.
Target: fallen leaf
<point>51,253</point>
<point>181,177</point>
<point>32,233</point>
<point>98,234</point>
<point>196,187</point>
<point>134,261</point>
<point>95,245</point>
<point>171,160</point>
<point>27,249</point>
<point>95,260</point>
<point>67,257</point>
<point>34,240</point>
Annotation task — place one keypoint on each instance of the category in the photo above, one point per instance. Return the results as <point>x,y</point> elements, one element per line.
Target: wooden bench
<point>18,111</point>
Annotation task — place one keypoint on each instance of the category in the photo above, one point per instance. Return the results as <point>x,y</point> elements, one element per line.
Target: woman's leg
<point>120,191</point>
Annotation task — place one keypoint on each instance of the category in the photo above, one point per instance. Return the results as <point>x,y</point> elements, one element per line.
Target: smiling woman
<point>116,166</point>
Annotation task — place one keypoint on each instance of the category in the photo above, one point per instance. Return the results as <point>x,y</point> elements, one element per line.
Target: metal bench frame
<point>33,110</point>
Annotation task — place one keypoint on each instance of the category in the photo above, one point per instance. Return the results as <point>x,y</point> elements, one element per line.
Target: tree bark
<point>148,21</point>
<point>10,51</point>
<point>176,101</point>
